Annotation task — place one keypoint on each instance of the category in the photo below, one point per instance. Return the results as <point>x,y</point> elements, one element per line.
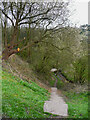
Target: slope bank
<point>21,69</point>
<point>22,93</point>
<point>22,99</point>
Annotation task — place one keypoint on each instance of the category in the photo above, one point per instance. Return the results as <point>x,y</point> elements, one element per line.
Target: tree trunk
<point>5,33</point>
<point>8,52</point>
<point>14,36</point>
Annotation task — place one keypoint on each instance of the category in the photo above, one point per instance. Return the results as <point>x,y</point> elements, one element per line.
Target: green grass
<point>22,99</point>
<point>77,104</point>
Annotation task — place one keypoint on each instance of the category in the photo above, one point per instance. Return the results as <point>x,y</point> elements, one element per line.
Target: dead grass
<point>21,69</point>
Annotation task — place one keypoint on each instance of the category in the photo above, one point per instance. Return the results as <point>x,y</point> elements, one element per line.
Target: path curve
<point>56,104</point>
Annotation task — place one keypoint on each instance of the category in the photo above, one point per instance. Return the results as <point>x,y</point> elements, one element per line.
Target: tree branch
<point>11,7</point>
<point>8,17</point>
<point>36,15</point>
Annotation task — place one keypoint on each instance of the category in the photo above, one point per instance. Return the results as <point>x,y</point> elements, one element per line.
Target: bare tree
<point>50,16</point>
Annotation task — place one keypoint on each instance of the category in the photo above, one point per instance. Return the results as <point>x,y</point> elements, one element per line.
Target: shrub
<point>81,70</point>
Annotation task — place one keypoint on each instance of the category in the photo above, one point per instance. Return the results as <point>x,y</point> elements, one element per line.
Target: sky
<point>79,15</point>
<point>79,11</point>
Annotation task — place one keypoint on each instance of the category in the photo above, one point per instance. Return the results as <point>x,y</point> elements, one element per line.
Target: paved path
<point>56,104</point>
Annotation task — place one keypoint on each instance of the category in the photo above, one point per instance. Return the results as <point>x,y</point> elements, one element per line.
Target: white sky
<point>80,15</point>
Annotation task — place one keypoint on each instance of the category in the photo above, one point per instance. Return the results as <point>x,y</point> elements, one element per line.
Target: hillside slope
<point>21,69</point>
<point>22,99</point>
<point>24,94</point>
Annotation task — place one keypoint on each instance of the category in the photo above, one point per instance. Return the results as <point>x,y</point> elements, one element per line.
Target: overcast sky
<point>80,15</point>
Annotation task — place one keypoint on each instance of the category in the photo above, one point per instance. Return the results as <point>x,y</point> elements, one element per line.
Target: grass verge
<point>77,104</point>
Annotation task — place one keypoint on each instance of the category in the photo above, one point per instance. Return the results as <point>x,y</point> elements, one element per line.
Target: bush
<point>81,70</point>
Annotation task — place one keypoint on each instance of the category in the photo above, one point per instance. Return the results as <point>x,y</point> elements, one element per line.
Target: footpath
<point>56,105</point>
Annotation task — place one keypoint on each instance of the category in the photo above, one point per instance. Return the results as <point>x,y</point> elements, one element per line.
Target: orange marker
<point>18,49</point>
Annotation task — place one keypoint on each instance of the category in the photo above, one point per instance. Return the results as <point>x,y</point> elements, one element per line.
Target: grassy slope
<point>22,69</point>
<point>22,99</point>
<point>25,100</point>
<point>77,104</point>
